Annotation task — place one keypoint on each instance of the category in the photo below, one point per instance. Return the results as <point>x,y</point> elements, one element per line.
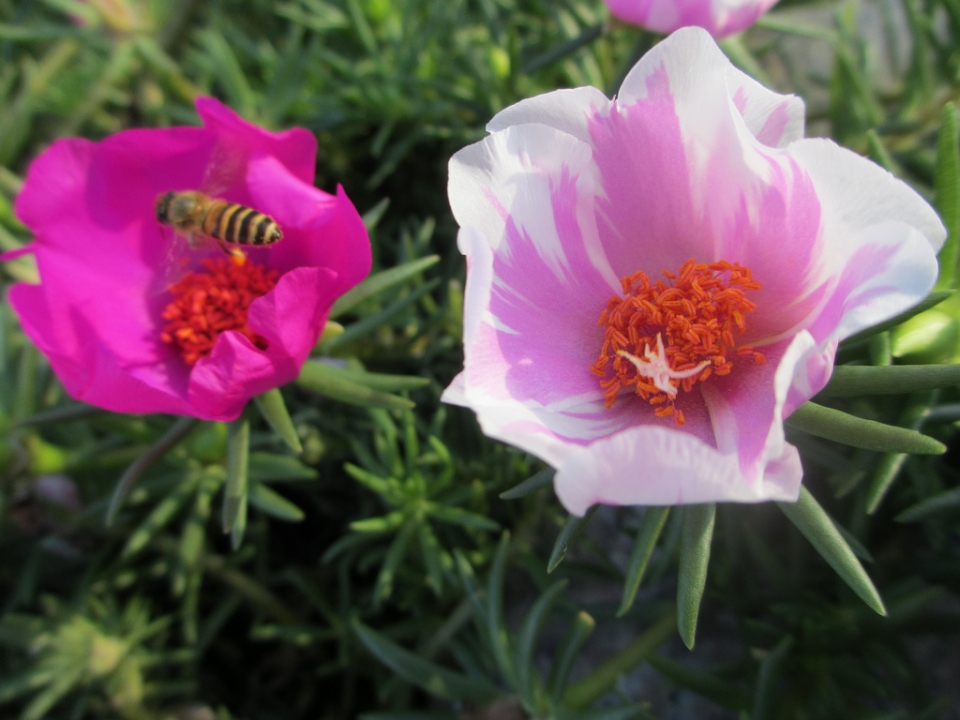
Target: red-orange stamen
<point>665,337</point>
<point>214,300</point>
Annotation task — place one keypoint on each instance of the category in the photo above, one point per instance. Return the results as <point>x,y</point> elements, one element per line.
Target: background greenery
<point>381,574</point>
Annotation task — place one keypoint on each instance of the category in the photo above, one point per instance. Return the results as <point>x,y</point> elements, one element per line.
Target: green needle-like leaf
<point>858,380</point>
<point>273,503</point>
<point>411,715</point>
<point>68,413</point>
<point>496,625</point>
<point>332,382</point>
<point>436,680</point>
<point>585,692</point>
<point>769,676</point>
<point>587,36</point>
<point>654,519</point>
<point>391,563</point>
<point>858,432</point>
<point>573,527</point>
<point>274,411</point>
<point>819,529</point>
<point>580,629</point>
<point>533,483</point>
<point>695,539</point>
<point>382,382</point>
<point>877,152</point>
<point>238,462</point>
<point>702,683</point>
<point>913,417</point>
<point>526,641</point>
<point>378,282</point>
<point>932,300</point>
<point>371,322</point>
<point>459,516</point>
<point>371,218</point>
<point>947,189</point>
<point>162,513</point>
<point>180,429</point>
<point>942,503</point>
<point>269,467</point>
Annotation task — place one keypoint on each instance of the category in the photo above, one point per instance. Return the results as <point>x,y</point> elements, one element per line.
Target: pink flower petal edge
<point>105,262</point>
<point>572,191</point>
<point>718,17</point>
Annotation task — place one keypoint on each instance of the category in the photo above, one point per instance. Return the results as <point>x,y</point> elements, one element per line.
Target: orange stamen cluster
<point>666,336</point>
<point>212,301</point>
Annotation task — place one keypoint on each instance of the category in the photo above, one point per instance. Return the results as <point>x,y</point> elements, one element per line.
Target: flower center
<point>664,337</point>
<point>213,300</point>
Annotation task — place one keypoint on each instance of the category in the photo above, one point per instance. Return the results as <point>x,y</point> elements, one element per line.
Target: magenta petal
<point>291,318</point>
<point>295,148</point>
<point>88,370</point>
<point>292,315</point>
<point>320,230</point>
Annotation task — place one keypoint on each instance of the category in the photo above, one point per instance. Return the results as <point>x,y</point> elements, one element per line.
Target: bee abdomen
<point>239,224</point>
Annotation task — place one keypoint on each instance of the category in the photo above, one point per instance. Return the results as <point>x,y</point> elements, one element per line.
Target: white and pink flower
<point>718,17</point>
<point>590,338</point>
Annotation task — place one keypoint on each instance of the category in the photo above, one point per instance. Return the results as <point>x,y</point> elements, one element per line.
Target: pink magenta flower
<point>655,282</point>
<point>104,314</point>
<point>718,17</point>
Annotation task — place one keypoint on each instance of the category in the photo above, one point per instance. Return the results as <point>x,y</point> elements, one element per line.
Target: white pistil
<point>656,367</point>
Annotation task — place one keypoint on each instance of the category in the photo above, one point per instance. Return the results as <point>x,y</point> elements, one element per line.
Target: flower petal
<point>295,148</point>
<point>309,219</point>
<point>563,110</point>
<point>683,177</point>
<point>88,369</point>
<point>857,193</point>
<point>879,239</point>
<point>659,466</point>
<point>747,407</point>
<point>719,17</point>
<point>290,317</point>
<point>524,197</point>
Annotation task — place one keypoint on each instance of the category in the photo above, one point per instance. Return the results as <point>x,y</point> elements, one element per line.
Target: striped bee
<point>194,214</point>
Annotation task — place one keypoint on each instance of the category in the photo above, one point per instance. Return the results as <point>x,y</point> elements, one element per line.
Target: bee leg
<point>237,255</point>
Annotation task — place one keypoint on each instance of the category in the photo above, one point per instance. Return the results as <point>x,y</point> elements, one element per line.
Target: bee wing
<point>181,256</point>
<point>225,169</point>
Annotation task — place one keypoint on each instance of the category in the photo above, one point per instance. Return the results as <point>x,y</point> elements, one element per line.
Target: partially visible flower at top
<point>718,17</point>
<point>655,282</point>
<point>115,332</point>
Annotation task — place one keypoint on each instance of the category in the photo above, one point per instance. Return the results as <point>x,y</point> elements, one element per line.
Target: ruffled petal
<point>659,466</point>
<point>309,219</point>
<point>857,194</point>
<point>775,120</point>
<point>292,315</point>
<point>295,148</point>
<point>747,407</point>
<point>88,369</point>
<point>719,17</point>
<point>524,197</point>
<point>684,177</point>
<point>563,110</point>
